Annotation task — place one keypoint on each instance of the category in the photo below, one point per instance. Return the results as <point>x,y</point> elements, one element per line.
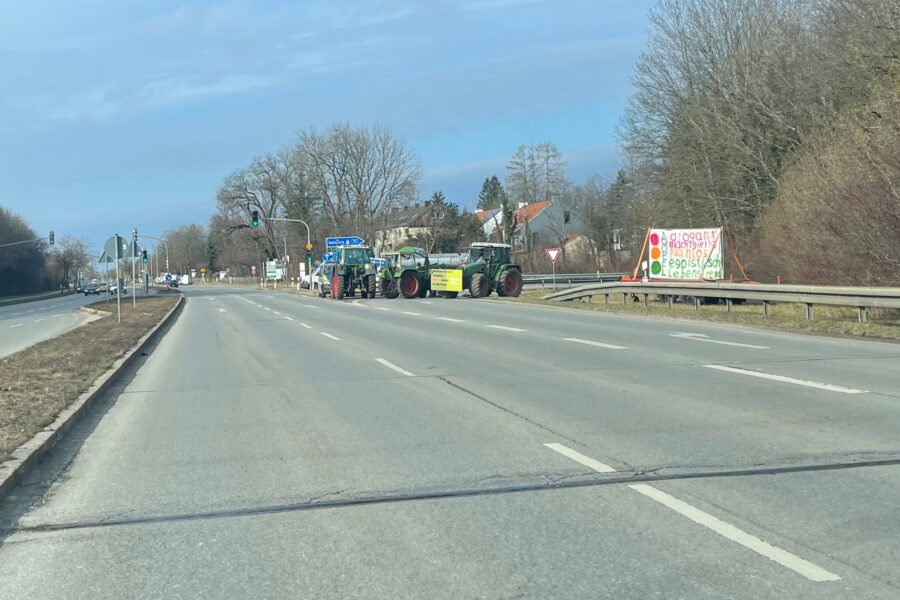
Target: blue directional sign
<point>336,242</point>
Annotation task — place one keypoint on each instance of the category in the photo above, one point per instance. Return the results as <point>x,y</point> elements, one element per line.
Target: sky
<point>129,113</point>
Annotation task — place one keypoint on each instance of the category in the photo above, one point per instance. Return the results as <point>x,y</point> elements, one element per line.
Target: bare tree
<point>71,255</point>
<point>359,174</point>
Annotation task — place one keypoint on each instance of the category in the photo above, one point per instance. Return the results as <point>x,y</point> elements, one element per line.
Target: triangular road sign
<point>553,253</point>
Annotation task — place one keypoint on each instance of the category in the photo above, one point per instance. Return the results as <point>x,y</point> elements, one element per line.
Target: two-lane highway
<point>22,325</point>
<point>277,446</point>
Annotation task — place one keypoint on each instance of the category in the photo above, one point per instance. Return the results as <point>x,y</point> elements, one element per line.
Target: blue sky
<point>123,113</point>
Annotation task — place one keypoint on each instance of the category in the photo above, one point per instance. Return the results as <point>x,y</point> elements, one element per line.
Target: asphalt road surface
<point>22,325</point>
<point>276,446</point>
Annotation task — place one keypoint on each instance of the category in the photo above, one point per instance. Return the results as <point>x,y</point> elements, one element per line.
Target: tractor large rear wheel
<point>510,282</point>
<point>370,286</point>
<point>409,285</point>
<point>479,286</point>
<point>338,287</point>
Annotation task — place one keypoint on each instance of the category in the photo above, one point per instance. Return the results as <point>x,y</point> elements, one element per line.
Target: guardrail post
<point>606,298</point>
<point>697,302</point>
<point>765,308</point>
<point>862,314</point>
<point>646,300</point>
<point>625,298</point>
<point>809,312</point>
<point>669,301</point>
<point>728,304</point>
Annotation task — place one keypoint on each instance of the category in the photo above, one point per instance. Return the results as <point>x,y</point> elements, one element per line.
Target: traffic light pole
<point>308,242</point>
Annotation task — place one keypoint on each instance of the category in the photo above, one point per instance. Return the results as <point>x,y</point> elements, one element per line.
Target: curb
<point>94,311</point>
<point>29,454</point>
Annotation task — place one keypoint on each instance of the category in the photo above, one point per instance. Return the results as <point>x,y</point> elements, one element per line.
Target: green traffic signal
<point>144,256</point>
<point>254,218</point>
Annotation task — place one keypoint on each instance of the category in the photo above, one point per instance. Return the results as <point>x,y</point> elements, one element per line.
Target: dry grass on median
<point>827,320</point>
<point>40,381</point>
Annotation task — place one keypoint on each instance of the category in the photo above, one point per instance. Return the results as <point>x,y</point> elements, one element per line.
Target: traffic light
<point>50,238</point>
<point>144,256</point>
<point>254,218</point>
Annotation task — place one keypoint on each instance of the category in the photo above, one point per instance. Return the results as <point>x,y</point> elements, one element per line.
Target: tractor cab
<point>490,253</point>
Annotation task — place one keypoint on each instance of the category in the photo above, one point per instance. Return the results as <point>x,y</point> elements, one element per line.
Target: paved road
<point>22,325</point>
<point>273,446</point>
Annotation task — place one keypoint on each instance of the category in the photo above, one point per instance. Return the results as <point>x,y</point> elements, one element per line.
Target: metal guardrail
<point>571,278</point>
<point>810,295</point>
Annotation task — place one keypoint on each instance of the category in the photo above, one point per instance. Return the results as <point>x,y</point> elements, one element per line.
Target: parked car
<point>310,280</point>
<point>92,288</point>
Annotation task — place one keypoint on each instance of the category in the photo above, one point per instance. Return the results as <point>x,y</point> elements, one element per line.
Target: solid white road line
<point>427,302</point>
<point>245,300</point>
<point>14,326</point>
<point>306,326</point>
<point>289,318</point>
<point>699,337</point>
<point>391,365</point>
<point>597,344</point>
<point>581,458</point>
<point>782,557</point>
<point>328,335</point>
<point>505,328</point>
<point>383,308</point>
<point>415,314</point>
<point>310,306</point>
<point>449,319</point>
<point>813,384</point>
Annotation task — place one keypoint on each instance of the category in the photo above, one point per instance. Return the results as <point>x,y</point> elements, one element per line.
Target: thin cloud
<point>496,4</point>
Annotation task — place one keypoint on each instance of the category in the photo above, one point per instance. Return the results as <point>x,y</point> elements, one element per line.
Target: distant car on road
<point>92,288</point>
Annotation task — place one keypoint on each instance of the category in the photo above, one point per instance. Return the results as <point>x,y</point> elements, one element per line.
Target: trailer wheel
<point>389,288</point>
<point>479,286</point>
<point>409,284</point>
<point>510,283</point>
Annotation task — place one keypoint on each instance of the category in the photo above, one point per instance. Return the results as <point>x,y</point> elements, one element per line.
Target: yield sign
<point>553,253</point>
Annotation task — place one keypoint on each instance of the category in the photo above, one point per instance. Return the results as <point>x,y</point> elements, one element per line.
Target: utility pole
<point>134,238</point>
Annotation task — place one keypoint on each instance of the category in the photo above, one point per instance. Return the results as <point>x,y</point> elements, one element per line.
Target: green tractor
<point>351,268</point>
<point>488,267</point>
<point>407,272</point>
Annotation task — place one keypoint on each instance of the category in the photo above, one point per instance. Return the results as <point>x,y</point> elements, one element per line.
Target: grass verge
<point>40,381</point>
<point>827,320</point>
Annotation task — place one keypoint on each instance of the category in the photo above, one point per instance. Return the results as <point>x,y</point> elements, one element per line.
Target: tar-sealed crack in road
<point>364,499</point>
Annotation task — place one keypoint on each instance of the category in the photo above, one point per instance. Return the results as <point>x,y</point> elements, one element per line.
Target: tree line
<point>777,119</point>
<point>36,266</point>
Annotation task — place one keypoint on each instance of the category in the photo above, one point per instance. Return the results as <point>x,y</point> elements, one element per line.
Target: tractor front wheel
<point>510,283</point>
<point>338,287</point>
<point>480,286</point>
<point>409,285</point>
<point>370,286</point>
